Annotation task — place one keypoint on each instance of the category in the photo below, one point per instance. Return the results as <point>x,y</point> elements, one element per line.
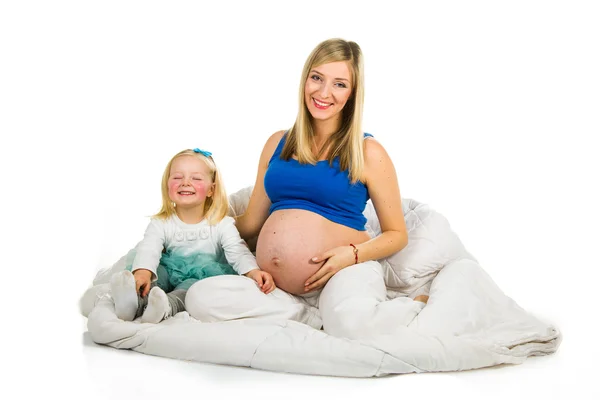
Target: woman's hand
<point>337,259</point>
<point>263,279</point>
<point>143,279</point>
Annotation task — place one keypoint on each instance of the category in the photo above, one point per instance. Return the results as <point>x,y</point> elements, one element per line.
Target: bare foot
<point>422,298</point>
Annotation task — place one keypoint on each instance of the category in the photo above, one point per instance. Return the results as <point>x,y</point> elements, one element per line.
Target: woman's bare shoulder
<point>271,145</point>
<point>276,137</point>
<point>374,151</point>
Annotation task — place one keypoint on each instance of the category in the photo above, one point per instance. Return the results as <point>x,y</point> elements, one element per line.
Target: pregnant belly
<point>288,241</point>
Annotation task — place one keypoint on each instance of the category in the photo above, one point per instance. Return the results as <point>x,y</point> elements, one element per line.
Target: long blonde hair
<point>347,142</point>
<point>215,207</point>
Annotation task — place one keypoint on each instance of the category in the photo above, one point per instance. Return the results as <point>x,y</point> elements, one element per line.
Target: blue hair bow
<point>203,152</point>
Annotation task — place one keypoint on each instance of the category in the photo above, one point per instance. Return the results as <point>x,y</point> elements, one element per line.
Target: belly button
<point>275,261</point>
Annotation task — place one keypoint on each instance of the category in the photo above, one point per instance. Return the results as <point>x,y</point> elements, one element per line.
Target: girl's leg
<point>128,303</point>
<point>353,304</point>
<point>161,305</point>
<point>230,297</point>
<point>122,290</point>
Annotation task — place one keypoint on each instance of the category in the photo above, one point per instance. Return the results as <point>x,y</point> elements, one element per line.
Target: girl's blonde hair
<point>215,207</point>
<point>347,142</point>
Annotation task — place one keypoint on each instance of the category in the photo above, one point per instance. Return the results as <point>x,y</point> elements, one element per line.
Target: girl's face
<point>190,182</point>
<point>327,90</point>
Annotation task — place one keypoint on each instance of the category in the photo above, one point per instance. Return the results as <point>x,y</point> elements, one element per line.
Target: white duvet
<point>468,322</point>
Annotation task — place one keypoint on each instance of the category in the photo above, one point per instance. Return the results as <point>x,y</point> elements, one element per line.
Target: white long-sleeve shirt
<point>222,240</point>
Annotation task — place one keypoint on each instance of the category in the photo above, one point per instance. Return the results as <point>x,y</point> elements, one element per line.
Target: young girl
<point>186,241</point>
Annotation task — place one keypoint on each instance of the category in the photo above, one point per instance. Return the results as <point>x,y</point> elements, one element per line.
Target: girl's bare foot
<point>422,298</point>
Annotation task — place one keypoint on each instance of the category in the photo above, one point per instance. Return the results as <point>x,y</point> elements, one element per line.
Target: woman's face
<point>327,90</point>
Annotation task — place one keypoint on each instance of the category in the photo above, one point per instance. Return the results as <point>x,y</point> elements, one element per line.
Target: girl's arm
<point>236,252</point>
<point>250,223</point>
<point>147,257</point>
<point>382,183</point>
<point>238,255</point>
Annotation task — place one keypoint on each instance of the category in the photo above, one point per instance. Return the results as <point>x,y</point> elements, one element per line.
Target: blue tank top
<point>320,188</point>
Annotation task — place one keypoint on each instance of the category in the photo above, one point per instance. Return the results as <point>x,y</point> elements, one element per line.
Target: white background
<point>490,111</point>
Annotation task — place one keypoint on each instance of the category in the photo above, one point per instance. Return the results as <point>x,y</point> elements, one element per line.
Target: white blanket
<point>468,322</point>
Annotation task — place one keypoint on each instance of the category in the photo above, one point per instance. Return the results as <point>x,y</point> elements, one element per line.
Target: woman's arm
<point>250,223</point>
<point>382,184</point>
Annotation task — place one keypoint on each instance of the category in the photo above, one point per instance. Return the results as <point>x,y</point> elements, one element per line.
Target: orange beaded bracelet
<point>355,250</point>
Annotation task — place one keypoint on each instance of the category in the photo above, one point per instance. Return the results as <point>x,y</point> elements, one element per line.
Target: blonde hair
<point>347,142</point>
<point>215,207</point>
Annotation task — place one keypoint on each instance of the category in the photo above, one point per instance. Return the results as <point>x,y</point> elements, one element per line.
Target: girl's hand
<point>263,279</point>
<point>336,260</point>
<point>143,279</point>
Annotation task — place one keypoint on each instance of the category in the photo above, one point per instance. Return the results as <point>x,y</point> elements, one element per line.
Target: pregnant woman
<point>306,208</point>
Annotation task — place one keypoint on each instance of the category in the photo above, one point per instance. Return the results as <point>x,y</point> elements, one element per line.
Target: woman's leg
<point>353,304</point>
<point>230,297</point>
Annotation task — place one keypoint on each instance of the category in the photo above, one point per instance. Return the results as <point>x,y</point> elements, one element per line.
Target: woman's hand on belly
<point>335,260</point>
<point>291,238</point>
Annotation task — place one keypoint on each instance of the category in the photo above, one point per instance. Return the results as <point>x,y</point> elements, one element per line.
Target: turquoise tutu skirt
<point>180,268</point>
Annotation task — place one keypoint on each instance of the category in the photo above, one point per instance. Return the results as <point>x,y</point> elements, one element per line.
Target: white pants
<point>352,304</point>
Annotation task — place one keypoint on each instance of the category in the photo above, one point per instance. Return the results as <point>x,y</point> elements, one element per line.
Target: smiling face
<point>190,182</point>
<point>327,89</point>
